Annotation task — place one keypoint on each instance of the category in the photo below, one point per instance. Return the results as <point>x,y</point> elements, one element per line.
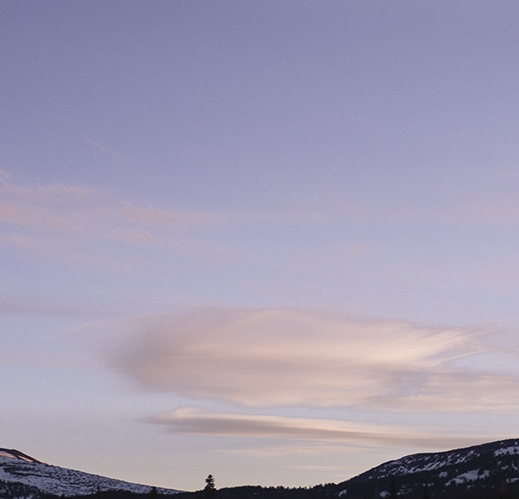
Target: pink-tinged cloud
<point>22,241</point>
<point>137,237</point>
<point>469,391</point>
<point>191,421</point>
<point>294,357</point>
<point>49,194</point>
<point>66,214</point>
<point>30,306</point>
<point>11,213</point>
<point>27,216</point>
<point>168,217</point>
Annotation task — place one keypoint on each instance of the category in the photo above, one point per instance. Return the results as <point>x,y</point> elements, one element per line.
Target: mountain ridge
<point>485,467</point>
<point>484,471</point>
<point>21,472</point>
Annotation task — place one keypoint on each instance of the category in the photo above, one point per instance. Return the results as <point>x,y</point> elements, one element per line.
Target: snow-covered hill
<point>19,471</point>
<point>483,469</point>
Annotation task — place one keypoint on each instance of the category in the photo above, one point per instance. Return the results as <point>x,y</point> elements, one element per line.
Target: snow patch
<point>468,476</point>
<point>507,451</point>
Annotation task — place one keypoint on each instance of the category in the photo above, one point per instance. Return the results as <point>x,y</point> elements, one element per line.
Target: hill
<point>22,476</point>
<point>487,471</point>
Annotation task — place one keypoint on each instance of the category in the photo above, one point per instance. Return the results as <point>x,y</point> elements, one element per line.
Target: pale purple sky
<point>275,241</point>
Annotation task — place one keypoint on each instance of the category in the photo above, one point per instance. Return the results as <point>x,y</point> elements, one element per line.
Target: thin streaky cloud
<point>48,193</point>
<point>72,212</point>
<point>30,306</point>
<point>295,448</point>
<point>4,177</point>
<point>11,213</point>
<point>23,242</point>
<point>84,208</point>
<point>27,217</point>
<point>143,238</point>
<point>190,421</point>
<point>168,217</point>
<point>109,152</point>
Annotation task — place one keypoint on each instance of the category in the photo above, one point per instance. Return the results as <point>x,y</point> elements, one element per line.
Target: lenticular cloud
<point>294,357</point>
<point>191,421</point>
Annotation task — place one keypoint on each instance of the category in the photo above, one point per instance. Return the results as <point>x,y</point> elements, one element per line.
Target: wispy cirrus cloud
<point>169,217</point>
<point>192,421</point>
<point>16,305</point>
<point>85,226</point>
<point>84,210</point>
<point>106,150</point>
<point>71,220</point>
<point>295,357</point>
<point>75,208</point>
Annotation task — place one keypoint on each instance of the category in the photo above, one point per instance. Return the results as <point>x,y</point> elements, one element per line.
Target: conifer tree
<point>210,487</point>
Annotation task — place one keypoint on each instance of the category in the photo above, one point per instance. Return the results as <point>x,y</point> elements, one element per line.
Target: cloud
<point>9,306</point>
<point>82,210</point>
<point>168,217</point>
<point>295,357</point>
<point>25,216</point>
<point>299,448</point>
<point>21,241</point>
<point>70,220</point>
<point>109,152</point>
<point>47,192</point>
<point>191,421</point>
<point>31,306</point>
<point>469,391</point>
<point>137,237</point>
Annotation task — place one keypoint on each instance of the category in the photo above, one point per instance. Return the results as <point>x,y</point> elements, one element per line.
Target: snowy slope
<point>19,468</point>
<point>457,473</point>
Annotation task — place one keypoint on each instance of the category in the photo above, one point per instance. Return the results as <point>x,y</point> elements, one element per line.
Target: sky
<point>274,241</point>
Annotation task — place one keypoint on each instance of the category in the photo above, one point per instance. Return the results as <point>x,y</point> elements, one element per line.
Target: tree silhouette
<point>210,487</point>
